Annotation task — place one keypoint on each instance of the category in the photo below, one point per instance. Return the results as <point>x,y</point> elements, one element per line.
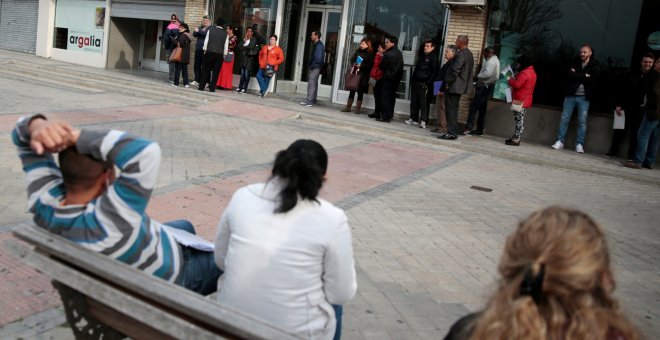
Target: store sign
<point>85,40</point>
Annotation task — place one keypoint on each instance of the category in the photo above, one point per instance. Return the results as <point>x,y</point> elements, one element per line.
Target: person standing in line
<point>392,67</point>
<point>169,37</point>
<point>631,103</point>
<point>484,86</point>
<point>249,49</point>
<point>582,75</point>
<point>450,53</point>
<point>226,77</point>
<point>181,67</point>
<point>200,34</point>
<point>522,88</point>
<point>287,254</point>
<point>366,53</point>
<point>648,135</point>
<point>421,85</point>
<point>374,80</point>
<point>316,60</point>
<point>270,57</point>
<point>458,80</point>
<point>215,47</point>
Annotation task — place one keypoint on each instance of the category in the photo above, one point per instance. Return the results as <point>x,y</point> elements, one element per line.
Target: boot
<point>349,103</point>
<point>358,106</point>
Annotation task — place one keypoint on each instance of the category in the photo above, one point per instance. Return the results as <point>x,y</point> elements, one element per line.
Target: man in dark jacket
<point>648,134</point>
<point>215,45</point>
<point>458,81</point>
<point>315,63</point>
<point>582,76</point>
<point>392,67</point>
<point>200,34</point>
<point>421,85</point>
<point>631,105</point>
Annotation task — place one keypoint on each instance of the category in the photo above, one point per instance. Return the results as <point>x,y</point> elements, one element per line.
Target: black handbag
<point>229,57</point>
<point>269,71</point>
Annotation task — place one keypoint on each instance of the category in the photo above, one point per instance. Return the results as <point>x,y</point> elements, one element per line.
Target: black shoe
<point>475,133</point>
<point>608,155</point>
<point>514,142</point>
<point>379,119</point>
<point>374,115</point>
<point>448,136</point>
<point>647,166</point>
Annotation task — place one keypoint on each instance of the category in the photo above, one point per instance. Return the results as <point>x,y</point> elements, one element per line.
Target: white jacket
<point>285,268</point>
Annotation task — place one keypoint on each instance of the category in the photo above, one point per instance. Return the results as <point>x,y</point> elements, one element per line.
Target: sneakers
<point>558,145</point>
<point>237,90</point>
<point>410,121</point>
<point>194,83</point>
<point>186,86</point>
<point>306,103</point>
<point>174,85</point>
<point>263,94</point>
<point>475,133</point>
<point>242,91</point>
<point>466,132</point>
<point>579,148</point>
<point>448,136</point>
<point>422,125</point>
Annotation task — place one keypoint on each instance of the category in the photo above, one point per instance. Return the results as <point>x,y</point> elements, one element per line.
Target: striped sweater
<point>115,223</point>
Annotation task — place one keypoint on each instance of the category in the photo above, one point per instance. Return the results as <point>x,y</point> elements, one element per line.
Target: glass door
<point>153,53</point>
<point>327,22</point>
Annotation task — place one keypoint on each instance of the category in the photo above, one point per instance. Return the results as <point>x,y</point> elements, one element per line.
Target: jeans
<point>339,311</point>
<point>479,104</point>
<point>313,84</point>
<point>647,141</point>
<point>263,81</point>
<point>570,102</point>
<point>199,272</point>
<point>451,111</point>
<point>245,78</point>
<point>178,69</point>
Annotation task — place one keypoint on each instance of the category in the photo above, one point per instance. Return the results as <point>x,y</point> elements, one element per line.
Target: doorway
<point>326,20</point>
<point>152,53</point>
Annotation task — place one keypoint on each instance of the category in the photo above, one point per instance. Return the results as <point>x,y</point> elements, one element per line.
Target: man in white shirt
<point>484,85</point>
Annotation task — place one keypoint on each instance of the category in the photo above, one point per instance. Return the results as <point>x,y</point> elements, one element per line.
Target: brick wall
<point>470,21</point>
<point>194,11</point>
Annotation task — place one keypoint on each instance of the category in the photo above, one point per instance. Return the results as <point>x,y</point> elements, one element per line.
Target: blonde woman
<point>556,283</point>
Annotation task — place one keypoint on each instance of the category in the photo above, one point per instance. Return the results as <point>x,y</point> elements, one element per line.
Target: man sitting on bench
<point>82,200</point>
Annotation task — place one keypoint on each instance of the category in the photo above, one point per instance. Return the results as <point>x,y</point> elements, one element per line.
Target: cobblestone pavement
<point>426,244</point>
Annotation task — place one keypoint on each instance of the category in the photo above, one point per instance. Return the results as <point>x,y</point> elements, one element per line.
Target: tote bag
<point>176,55</point>
<point>352,79</point>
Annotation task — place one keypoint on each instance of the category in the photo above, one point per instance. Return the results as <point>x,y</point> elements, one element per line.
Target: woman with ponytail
<point>287,254</point>
<point>556,283</point>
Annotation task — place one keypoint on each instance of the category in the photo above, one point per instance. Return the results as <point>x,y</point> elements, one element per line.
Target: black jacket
<point>579,76</point>
<point>365,67</point>
<point>184,42</point>
<point>631,95</point>
<point>392,64</point>
<point>652,86</point>
<point>217,37</point>
<point>426,68</point>
<point>200,35</point>
<point>248,53</point>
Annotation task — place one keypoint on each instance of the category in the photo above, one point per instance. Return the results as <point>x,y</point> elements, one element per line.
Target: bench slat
<point>148,289</point>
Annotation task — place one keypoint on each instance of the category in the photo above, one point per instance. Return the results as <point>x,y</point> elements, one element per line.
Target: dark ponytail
<point>301,167</point>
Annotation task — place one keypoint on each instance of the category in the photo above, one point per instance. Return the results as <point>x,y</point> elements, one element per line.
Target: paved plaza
<point>426,244</point>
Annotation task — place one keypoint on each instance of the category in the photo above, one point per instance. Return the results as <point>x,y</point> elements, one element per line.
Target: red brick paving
<point>250,111</point>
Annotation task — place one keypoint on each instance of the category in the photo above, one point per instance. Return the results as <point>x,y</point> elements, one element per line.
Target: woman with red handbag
<point>363,59</point>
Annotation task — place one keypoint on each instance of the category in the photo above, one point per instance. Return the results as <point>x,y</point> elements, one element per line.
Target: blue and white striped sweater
<point>114,224</point>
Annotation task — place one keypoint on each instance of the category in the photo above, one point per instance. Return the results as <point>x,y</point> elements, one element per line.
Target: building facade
<point>127,34</point>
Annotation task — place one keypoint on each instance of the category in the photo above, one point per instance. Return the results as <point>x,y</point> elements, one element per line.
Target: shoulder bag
<point>176,54</point>
<point>269,71</point>
<point>229,57</point>
<point>517,105</point>
<point>352,79</point>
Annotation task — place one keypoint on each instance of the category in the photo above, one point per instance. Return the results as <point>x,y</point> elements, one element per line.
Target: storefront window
<point>79,25</point>
<point>412,21</point>
<point>551,32</point>
<point>258,14</point>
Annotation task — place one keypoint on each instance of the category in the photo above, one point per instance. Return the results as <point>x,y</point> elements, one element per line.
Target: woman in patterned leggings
<point>522,88</point>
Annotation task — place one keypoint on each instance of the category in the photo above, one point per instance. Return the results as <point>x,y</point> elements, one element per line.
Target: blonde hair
<point>565,253</point>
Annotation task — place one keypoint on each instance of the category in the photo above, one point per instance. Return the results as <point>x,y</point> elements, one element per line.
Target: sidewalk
<point>426,244</point>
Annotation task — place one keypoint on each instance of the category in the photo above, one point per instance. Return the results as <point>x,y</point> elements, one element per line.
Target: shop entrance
<point>152,53</point>
<point>326,20</point>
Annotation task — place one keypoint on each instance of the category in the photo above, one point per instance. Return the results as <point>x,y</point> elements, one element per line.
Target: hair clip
<point>532,285</point>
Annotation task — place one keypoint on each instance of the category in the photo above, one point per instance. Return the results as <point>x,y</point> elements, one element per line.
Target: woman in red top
<point>227,71</point>
<point>522,88</point>
<point>270,56</point>
<point>374,80</point>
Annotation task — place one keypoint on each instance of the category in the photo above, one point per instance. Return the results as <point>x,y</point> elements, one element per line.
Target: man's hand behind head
<point>51,137</point>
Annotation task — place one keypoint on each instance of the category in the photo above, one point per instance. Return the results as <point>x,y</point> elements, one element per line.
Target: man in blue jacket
<point>315,63</point>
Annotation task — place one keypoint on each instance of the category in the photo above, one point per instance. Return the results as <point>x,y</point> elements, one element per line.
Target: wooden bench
<point>104,298</point>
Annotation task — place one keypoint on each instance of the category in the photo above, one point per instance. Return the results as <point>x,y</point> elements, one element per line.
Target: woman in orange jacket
<point>270,57</point>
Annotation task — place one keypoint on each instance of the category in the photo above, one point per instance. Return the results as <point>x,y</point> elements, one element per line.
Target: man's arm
<point>455,70</point>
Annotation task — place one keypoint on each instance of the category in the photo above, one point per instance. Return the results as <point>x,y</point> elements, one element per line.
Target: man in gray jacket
<point>458,80</point>
<point>215,45</point>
